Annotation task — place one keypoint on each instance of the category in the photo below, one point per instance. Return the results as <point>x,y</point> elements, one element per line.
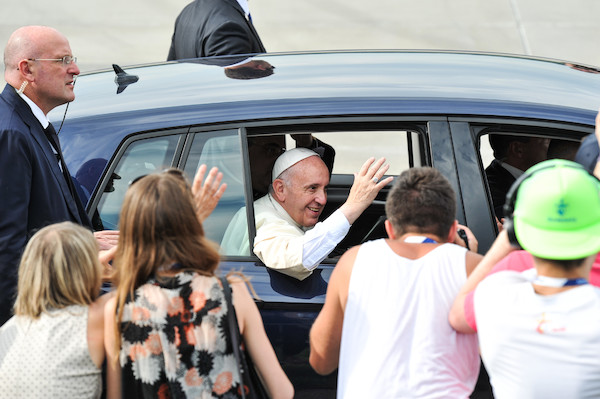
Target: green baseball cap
<point>557,211</point>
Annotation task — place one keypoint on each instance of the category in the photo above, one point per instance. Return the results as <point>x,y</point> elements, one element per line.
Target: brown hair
<point>158,227</point>
<point>421,201</point>
<point>59,268</point>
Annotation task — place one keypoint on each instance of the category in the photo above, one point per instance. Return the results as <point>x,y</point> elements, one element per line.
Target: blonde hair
<point>59,268</point>
<point>158,227</point>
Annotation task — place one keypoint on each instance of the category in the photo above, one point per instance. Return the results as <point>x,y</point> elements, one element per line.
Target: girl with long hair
<point>167,333</point>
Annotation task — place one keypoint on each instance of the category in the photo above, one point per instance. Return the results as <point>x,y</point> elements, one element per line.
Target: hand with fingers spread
<point>367,184</point>
<point>207,193</point>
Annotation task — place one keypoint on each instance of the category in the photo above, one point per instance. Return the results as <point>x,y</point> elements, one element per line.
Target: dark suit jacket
<point>33,190</point>
<point>207,28</point>
<point>499,180</point>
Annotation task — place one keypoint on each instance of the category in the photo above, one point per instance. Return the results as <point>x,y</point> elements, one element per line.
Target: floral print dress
<point>175,340</point>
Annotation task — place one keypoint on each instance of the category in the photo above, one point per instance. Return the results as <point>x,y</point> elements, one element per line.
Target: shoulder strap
<point>234,332</point>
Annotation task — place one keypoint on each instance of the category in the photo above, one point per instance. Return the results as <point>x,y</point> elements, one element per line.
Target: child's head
<point>421,201</point>
<point>557,211</point>
<point>159,226</point>
<point>59,268</point>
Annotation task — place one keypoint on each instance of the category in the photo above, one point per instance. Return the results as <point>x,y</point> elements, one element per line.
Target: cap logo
<point>561,210</point>
<point>561,207</point>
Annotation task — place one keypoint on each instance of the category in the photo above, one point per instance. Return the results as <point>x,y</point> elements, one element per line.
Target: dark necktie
<point>53,139</point>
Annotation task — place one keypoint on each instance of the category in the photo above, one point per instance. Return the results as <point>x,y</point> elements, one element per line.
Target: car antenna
<point>123,79</point>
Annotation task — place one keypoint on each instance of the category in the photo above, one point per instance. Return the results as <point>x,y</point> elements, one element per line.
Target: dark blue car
<point>414,108</point>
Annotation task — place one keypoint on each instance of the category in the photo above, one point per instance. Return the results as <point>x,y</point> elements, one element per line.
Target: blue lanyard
<point>419,240</point>
<point>558,282</point>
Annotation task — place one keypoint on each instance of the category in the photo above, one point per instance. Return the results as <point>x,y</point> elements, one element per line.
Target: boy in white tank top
<point>385,317</point>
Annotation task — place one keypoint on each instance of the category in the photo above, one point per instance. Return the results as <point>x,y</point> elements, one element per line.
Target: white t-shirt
<point>396,338</point>
<point>536,346</point>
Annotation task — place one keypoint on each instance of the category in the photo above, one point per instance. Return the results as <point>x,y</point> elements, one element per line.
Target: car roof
<point>347,83</point>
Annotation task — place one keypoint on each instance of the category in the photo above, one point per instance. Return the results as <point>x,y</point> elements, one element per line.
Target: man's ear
<point>25,69</point>
<point>389,229</point>
<point>452,232</point>
<point>516,149</point>
<point>279,190</point>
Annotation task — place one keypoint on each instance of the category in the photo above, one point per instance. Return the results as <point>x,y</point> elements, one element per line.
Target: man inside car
<point>512,156</point>
<point>289,236</point>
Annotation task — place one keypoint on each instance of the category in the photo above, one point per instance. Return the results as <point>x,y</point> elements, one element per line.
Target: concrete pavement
<point>139,31</point>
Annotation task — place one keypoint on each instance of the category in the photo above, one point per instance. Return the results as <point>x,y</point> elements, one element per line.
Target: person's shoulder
<point>8,325</point>
<point>516,261</point>
<point>262,203</point>
<point>266,212</point>
<point>495,170</point>
<point>347,260</point>
<point>10,118</point>
<point>378,246</point>
<point>454,252</point>
<point>501,280</point>
<point>493,166</point>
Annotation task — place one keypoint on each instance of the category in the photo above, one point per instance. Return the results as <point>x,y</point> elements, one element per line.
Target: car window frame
<point>472,182</point>
<point>114,161</point>
<point>424,125</point>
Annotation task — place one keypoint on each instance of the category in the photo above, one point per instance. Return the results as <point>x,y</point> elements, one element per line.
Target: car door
<point>288,306</point>
<point>473,153</point>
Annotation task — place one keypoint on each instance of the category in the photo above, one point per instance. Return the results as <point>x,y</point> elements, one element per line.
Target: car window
<point>140,158</point>
<point>506,152</point>
<point>402,149</point>
<point>353,149</point>
<point>223,150</point>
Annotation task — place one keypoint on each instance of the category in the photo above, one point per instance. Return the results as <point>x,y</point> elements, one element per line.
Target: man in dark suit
<point>208,28</point>
<point>512,156</point>
<point>35,186</point>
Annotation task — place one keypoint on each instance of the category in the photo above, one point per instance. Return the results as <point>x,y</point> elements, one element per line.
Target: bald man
<point>35,185</point>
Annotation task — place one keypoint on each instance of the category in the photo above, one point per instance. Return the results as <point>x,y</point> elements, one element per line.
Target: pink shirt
<point>519,261</point>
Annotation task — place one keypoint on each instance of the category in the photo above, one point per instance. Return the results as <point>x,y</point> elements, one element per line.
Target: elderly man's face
<point>54,81</point>
<point>305,195</point>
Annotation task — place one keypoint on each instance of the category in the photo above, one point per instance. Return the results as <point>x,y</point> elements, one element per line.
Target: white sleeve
<point>322,239</point>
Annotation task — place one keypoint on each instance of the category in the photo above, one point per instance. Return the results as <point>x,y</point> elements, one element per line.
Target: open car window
<point>402,148</point>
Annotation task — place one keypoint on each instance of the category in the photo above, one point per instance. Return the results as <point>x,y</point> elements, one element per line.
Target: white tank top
<point>48,357</point>
<point>396,338</point>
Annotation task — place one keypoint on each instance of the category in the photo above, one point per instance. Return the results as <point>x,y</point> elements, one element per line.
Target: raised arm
<point>499,250</point>
<point>366,185</point>
<point>326,332</point>
<point>207,193</point>
<point>113,367</point>
<point>255,338</point>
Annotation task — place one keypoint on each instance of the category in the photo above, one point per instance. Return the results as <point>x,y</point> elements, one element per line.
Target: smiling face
<point>302,191</point>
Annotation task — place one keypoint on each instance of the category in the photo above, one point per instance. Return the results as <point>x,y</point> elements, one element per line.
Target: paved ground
<point>139,31</point>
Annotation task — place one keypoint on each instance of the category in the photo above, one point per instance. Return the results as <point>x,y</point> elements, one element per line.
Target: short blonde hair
<point>59,268</point>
